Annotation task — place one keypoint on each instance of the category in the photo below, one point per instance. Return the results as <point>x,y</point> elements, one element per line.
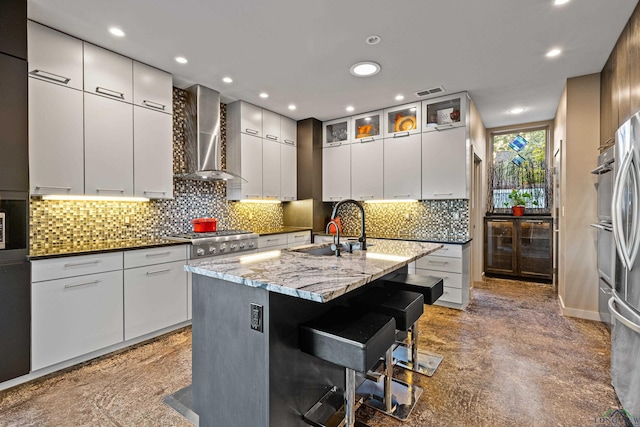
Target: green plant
<point>519,198</point>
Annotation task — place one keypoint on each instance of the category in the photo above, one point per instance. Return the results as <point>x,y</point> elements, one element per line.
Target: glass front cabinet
<point>445,112</point>
<point>403,120</point>
<point>520,247</point>
<point>366,127</point>
<point>336,132</point>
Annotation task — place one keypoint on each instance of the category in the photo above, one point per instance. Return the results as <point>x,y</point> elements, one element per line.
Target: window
<point>520,162</point>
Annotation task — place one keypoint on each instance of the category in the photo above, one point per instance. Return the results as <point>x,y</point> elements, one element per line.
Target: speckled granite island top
<point>312,277</point>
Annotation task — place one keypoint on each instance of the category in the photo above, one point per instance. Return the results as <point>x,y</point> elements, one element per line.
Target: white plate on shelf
<point>444,116</point>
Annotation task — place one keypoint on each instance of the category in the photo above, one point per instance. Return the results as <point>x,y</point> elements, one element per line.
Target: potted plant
<point>518,199</point>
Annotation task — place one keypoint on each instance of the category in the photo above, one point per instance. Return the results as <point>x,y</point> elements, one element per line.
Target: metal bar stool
<point>351,338</point>
<point>394,397</point>
<point>405,354</point>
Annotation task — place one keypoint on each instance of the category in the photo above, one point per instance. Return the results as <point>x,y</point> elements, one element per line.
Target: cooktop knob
<point>200,251</point>
<point>212,249</point>
<point>223,247</point>
<point>234,247</point>
<point>251,244</point>
<point>242,245</point>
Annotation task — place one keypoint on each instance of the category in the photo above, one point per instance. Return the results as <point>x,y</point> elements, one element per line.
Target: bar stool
<point>405,354</point>
<point>353,339</point>
<point>394,397</point>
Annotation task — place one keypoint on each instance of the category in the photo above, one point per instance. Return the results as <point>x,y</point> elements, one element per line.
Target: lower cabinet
<point>272,242</point>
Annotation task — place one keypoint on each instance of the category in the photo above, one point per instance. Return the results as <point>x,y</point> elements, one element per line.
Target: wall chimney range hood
<point>203,147</point>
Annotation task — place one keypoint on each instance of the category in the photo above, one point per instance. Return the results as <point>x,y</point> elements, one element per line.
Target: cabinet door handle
<point>438,262</point>
<point>366,140</point>
<point>499,220</point>
<point>52,187</point>
<point>110,190</point>
<point>251,131</point>
<point>272,137</point>
<point>154,192</point>
<point>153,105</point>
<point>288,141</point>
<point>443,127</point>
<point>299,236</point>
<point>335,198</point>
<point>158,254</point>
<point>400,135</point>
<point>165,270</point>
<point>109,92</point>
<point>272,240</point>
<point>334,144</point>
<point>365,197</point>
<point>80,264</point>
<point>533,221</point>
<point>50,76</point>
<point>397,196</point>
<point>443,194</point>
<point>288,198</point>
<point>75,285</point>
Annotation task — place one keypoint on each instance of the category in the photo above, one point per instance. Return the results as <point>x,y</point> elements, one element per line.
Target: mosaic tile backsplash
<point>64,223</point>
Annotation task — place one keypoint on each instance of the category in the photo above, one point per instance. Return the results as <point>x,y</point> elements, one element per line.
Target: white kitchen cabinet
<point>445,112</point>
<point>271,125</point>
<point>288,172</point>
<point>107,74</point>
<point>75,316</point>
<point>54,57</point>
<point>272,242</point>
<point>402,167</point>
<point>56,140</point>
<point>158,255</point>
<point>244,157</point>
<point>270,169</point>
<point>108,144</point>
<point>367,161</point>
<point>155,297</point>
<point>402,120</point>
<point>336,132</point>
<point>152,154</point>
<point>298,238</point>
<point>243,117</point>
<point>289,130</point>
<point>444,164</point>
<point>336,173</point>
<point>58,268</point>
<point>367,127</point>
<point>152,88</point>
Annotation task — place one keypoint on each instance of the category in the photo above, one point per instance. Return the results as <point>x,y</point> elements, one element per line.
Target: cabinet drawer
<point>155,297</point>
<point>272,240</point>
<point>75,316</point>
<point>142,257</point>
<point>440,263</point>
<point>58,268</point>
<point>451,295</point>
<point>451,280</point>
<point>299,238</point>
<point>449,251</point>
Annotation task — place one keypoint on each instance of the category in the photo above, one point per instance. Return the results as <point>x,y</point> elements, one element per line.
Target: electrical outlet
<point>127,220</point>
<point>407,216</point>
<point>256,317</point>
<point>456,216</point>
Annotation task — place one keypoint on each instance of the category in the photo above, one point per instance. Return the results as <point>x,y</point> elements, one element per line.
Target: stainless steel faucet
<point>336,244</point>
<point>363,236</point>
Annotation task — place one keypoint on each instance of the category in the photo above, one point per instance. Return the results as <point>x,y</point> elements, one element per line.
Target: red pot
<point>204,225</point>
<point>517,210</point>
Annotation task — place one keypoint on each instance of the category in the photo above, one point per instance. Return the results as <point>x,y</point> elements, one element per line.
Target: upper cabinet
<point>152,154</point>
<point>445,112</point>
<point>243,117</point>
<point>367,127</point>
<point>271,125</point>
<point>13,15</point>
<point>152,88</point>
<point>107,74</point>
<point>54,57</point>
<point>445,164</point>
<point>402,120</point>
<point>336,132</point>
<point>289,130</point>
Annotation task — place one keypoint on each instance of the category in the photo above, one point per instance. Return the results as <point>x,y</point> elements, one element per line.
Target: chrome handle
<point>290,142</point>
<point>109,92</point>
<point>598,226</point>
<point>335,144</point>
<point>153,105</point>
<point>79,264</point>
<point>626,322</point>
<point>635,239</point>
<point>401,135</point>
<point>367,196</point>
<point>335,197</point>
<point>50,76</point>
<point>93,282</point>
<point>251,131</point>
<point>367,140</point>
<point>299,235</point>
<point>534,221</point>
<point>443,194</point>
<point>273,196</point>
<point>438,262</point>
<point>154,192</point>
<point>606,291</point>
<point>499,220</point>
<point>288,198</point>
<point>158,254</point>
<point>52,187</point>
<point>110,190</point>
<point>272,240</point>
<point>443,127</point>
<point>272,137</point>
<point>252,195</point>
<point>401,195</point>
<point>166,270</point>
<point>602,169</point>
<point>616,213</point>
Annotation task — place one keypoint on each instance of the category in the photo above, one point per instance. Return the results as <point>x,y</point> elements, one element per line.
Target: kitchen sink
<point>315,250</point>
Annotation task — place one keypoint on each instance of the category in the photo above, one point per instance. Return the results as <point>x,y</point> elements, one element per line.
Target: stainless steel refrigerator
<point>624,305</point>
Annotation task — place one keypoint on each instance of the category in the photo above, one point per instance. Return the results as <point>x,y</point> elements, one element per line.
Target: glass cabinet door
<point>366,127</point>
<point>402,120</point>
<point>445,112</point>
<point>336,132</point>
<point>499,251</point>
<point>535,248</point>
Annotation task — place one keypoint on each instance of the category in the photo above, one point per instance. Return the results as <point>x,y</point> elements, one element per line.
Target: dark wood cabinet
<point>519,247</point>
<point>634,62</point>
<point>606,131</point>
<point>622,77</point>
<point>13,28</point>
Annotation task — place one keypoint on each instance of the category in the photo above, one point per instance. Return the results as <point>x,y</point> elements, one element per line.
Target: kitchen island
<point>247,367</point>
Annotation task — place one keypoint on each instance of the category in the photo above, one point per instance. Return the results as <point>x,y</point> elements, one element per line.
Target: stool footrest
<point>404,397</point>
<point>329,411</point>
<point>427,362</point>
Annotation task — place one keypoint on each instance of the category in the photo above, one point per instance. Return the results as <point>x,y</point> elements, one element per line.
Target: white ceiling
<point>300,51</point>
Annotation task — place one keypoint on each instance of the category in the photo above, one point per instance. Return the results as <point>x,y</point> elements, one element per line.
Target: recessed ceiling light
<point>365,69</point>
<point>117,32</point>
<point>517,110</point>
<point>553,53</point>
<point>560,2</point>
<point>399,97</point>
<point>181,60</point>
<point>350,108</point>
<point>264,95</point>
<point>227,79</point>
<point>373,39</point>
<point>292,107</point>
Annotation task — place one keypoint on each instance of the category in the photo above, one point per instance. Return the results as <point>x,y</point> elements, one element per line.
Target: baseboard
<point>581,314</point>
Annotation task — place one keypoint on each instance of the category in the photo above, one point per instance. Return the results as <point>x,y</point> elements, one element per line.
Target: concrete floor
<point>510,359</point>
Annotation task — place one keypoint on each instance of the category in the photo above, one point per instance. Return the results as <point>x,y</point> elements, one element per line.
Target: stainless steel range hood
<point>203,147</point>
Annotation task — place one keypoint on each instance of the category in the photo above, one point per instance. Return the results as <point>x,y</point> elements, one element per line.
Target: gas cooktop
<point>196,236</point>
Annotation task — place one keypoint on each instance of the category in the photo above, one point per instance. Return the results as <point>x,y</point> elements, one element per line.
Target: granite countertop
<point>415,237</point>
<point>280,230</point>
<point>55,251</point>
<point>311,277</point>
